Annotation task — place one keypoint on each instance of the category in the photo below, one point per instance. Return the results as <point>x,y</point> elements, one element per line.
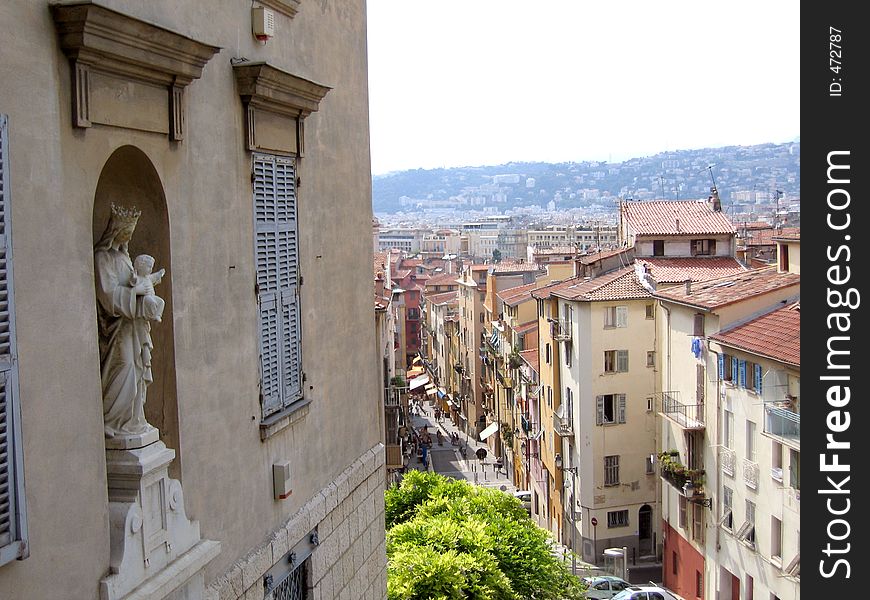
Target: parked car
<point>604,586</point>
<point>644,592</point>
<point>525,498</point>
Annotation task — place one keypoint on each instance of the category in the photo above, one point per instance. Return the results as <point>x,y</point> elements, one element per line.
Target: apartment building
<point>241,476</point>
<point>690,451</point>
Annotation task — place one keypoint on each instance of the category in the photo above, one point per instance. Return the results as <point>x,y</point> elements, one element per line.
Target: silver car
<point>644,592</point>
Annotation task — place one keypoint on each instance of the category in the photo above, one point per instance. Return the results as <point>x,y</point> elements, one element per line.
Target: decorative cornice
<point>286,7</point>
<point>263,86</point>
<point>123,45</point>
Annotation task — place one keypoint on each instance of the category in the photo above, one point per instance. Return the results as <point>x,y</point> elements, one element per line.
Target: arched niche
<point>129,179</point>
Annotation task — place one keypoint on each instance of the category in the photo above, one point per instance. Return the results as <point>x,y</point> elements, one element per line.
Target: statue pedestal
<point>156,551</point>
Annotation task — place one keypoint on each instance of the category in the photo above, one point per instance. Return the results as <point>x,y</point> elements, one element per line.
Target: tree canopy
<point>448,539</point>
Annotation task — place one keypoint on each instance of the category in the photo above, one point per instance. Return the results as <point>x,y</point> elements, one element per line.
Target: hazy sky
<point>485,82</point>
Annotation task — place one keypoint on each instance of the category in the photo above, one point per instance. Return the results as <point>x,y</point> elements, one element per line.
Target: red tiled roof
<point>479,267</point>
<point>791,236</point>
<point>659,217</point>
<point>621,284</point>
<point>442,279</point>
<point>443,298</point>
<point>722,291</point>
<point>544,292</point>
<point>516,295</point>
<point>531,357</point>
<point>380,262</point>
<point>526,327</point>
<point>679,269</point>
<point>775,335</point>
<point>588,259</point>
<point>765,237</point>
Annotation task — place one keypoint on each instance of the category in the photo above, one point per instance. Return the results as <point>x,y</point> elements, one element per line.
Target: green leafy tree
<point>496,255</point>
<point>448,539</point>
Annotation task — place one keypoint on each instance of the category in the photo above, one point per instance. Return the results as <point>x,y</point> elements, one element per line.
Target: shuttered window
<point>13,526</point>
<point>277,256</point>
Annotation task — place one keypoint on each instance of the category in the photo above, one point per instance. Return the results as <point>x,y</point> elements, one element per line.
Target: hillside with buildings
<point>744,175</point>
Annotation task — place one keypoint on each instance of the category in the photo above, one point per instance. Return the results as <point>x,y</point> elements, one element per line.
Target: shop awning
<point>418,381</point>
<point>488,431</point>
<point>431,391</point>
<point>450,403</point>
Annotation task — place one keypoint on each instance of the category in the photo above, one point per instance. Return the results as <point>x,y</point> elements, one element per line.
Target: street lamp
<point>573,471</point>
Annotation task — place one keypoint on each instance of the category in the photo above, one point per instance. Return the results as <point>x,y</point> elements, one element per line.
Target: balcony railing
<point>750,473</point>
<point>393,396</point>
<point>783,423</point>
<point>687,416</point>
<point>729,458</point>
<point>561,330</point>
<point>563,427</point>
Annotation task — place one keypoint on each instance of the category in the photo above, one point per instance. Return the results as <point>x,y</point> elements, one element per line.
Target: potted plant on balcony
<point>514,360</point>
<point>675,473</point>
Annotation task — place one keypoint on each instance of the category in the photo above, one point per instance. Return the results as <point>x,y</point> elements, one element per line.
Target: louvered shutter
<point>743,373</point>
<point>721,367</point>
<point>13,529</point>
<point>735,374</point>
<point>758,379</point>
<point>277,281</point>
<point>599,418</point>
<point>621,413</point>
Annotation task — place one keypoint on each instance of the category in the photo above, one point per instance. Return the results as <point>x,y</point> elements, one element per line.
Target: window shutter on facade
<point>277,281</point>
<point>599,418</point>
<point>13,526</point>
<point>743,373</point>
<point>758,379</point>
<point>721,367</point>
<point>621,409</point>
<point>734,371</point>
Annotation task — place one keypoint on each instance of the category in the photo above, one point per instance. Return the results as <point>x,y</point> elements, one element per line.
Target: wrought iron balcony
<point>750,473</point>
<point>729,458</point>
<point>687,416</point>
<point>783,424</point>
<point>560,330</point>
<point>563,427</point>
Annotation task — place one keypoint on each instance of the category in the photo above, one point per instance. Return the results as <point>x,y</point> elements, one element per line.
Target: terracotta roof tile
<point>765,237</point>
<point>531,357</point>
<point>544,292</point>
<point>442,279</point>
<point>679,269</point>
<point>526,327</point>
<point>722,291</point>
<point>443,298</point>
<point>504,267</point>
<point>588,259</point>
<point>659,217</point>
<point>775,335</point>
<point>791,236</point>
<point>621,284</point>
<point>516,295</point>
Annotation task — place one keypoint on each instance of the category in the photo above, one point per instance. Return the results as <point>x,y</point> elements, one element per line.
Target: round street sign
<point>594,522</point>
<point>481,453</point>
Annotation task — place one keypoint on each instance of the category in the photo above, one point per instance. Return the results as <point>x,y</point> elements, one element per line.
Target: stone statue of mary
<point>124,329</point>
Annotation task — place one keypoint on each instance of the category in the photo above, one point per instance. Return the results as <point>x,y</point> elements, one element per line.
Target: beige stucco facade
<point>195,192</point>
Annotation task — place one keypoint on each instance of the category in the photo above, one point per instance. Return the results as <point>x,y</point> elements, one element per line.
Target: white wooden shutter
<point>13,525</point>
<point>599,412</point>
<point>621,408</point>
<point>277,281</point>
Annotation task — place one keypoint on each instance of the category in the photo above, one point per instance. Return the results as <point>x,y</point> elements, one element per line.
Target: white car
<point>644,592</point>
<point>525,498</point>
<point>604,586</point>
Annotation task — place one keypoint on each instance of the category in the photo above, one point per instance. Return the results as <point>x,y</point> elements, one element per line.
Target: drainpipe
<point>668,387</point>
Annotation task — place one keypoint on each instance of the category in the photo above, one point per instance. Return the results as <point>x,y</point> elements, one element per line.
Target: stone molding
<point>135,56</point>
<point>285,7</point>
<point>276,102</point>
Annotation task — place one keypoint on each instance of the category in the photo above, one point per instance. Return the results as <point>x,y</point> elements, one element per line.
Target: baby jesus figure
<point>152,304</point>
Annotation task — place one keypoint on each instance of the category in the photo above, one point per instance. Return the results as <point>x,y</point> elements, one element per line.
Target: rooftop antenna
<point>662,184</point>
<point>710,170</point>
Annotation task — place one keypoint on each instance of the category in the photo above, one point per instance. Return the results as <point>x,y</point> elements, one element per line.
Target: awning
<point>538,435</point>
<point>418,381</point>
<point>450,403</point>
<point>442,392</point>
<point>489,430</point>
<point>431,391</point>
<point>416,360</point>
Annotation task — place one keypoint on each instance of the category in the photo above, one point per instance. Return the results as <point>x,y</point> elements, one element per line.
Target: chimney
<point>678,225</point>
<point>688,287</point>
<point>714,200</point>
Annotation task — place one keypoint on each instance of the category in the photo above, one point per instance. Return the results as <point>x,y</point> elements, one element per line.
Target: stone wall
<point>349,561</point>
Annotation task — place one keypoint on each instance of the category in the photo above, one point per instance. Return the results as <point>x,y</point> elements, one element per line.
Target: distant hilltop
<point>741,174</point>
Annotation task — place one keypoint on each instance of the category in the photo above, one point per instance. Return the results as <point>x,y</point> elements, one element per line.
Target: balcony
<point>750,474</point>
<point>560,330</point>
<point>393,396</point>
<point>563,427</point>
<point>783,424</point>
<point>394,457</point>
<point>674,472</point>
<point>729,458</point>
<point>688,416</point>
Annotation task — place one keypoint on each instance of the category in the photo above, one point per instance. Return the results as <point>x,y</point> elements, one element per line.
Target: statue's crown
<point>124,215</point>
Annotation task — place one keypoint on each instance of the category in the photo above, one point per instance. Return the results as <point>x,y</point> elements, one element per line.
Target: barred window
<point>611,470</point>
<point>617,518</point>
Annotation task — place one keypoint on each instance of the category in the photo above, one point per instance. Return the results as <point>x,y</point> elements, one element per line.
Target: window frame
<point>618,518</point>
<point>616,361</point>
<point>617,409</point>
<point>14,540</point>
<point>611,470</point>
